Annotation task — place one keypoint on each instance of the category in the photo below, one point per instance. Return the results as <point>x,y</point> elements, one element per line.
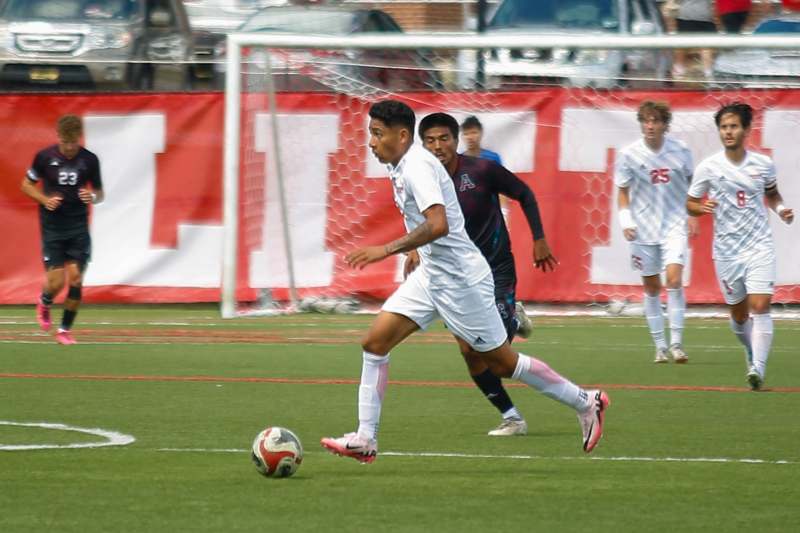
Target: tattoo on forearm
<point>422,234</point>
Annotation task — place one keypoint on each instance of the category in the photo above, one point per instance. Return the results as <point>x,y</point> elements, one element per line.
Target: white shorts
<point>753,274</point>
<point>652,259</point>
<point>470,313</point>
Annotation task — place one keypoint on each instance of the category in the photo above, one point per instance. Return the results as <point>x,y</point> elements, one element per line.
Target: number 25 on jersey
<point>659,175</point>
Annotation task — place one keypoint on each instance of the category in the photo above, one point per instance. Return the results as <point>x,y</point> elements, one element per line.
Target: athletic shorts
<point>753,274</point>
<point>652,259</point>
<point>695,26</point>
<point>733,22</point>
<point>470,313</point>
<point>505,300</point>
<point>58,250</point>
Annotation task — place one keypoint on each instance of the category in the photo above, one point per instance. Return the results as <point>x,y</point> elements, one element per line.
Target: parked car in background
<point>763,68</point>
<point>572,66</point>
<point>212,20</point>
<point>355,71</point>
<point>91,42</point>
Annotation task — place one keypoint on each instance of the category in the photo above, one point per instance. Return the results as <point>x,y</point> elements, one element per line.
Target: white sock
<point>676,308</point>
<point>374,373</point>
<point>744,332</point>
<point>655,320</point>
<point>512,413</point>
<point>762,341</point>
<point>541,377</point>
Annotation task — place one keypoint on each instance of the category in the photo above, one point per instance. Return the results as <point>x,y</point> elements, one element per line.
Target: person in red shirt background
<point>733,14</point>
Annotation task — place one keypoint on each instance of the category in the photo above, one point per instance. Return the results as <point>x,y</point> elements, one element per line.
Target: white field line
<point>528,457</point>
<point>301,341</point>
<point>294,341</point>
<point>113,438</point>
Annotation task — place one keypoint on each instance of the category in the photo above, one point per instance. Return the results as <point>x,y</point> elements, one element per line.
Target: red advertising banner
<point>158,236</point>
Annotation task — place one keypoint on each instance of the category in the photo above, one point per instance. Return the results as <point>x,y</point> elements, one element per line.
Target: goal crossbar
<point>381,41</point>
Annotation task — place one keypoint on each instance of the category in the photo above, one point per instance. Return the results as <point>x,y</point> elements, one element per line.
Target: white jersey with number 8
<point>741,224</point>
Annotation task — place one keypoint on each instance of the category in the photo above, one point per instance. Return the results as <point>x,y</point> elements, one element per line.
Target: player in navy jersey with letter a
<point>453,282</point>
<point>70,180</point>
<point>479,184</point>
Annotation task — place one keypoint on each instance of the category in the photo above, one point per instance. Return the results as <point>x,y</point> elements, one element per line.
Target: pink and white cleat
<point>592,419</point>
<point>352,445</point>
<point>43,316</point>
<point>65,337</point>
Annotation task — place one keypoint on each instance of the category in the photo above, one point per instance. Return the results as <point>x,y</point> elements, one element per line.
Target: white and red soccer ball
<point>277,452</point>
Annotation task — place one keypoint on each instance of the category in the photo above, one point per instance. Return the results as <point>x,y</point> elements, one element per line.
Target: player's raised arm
<point>508,184</point>
<point>624,212</point>
<point>434,227</point>
<point>775,202</point>
<point>699,206</point>
<point>91,196</point>
<point>30,189</point>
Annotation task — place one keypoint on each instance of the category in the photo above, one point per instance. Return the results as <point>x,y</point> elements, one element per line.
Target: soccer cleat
<point>65,337</point>
<point>352,445</point>
<point>661,356</point>
<point>678,355</point>
<point>754,379</point>
<point>592,419</point>
<point>509,427</point>
<point>43,316</point>
<point>524,322</point>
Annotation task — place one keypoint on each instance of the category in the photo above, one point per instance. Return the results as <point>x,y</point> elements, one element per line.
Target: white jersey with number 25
<point>657,184</point>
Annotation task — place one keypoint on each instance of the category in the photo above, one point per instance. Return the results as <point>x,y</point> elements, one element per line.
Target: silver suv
<point>97,42</point>
<point>581,68</point>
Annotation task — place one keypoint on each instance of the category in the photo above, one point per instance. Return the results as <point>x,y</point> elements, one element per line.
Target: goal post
<point>301,189</point>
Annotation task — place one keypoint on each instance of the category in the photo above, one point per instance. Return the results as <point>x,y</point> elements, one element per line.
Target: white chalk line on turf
<point>450,455</point>
<point>113,438</point>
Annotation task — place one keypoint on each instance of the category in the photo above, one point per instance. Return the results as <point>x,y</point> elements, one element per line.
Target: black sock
<point>68,319</point>
<point>492,387</point>
<point>46,298</point>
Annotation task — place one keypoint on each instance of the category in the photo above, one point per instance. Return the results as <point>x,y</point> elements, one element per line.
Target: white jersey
<point>741,225</point>
<point>657,183</point>
<point>419,181</point>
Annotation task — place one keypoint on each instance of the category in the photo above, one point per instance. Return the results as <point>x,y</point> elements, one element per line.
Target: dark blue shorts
<point>58,250</point>
<point>505,297</point>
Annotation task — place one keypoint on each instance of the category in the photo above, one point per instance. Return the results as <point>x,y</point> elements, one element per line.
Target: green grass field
<point>686,448</point>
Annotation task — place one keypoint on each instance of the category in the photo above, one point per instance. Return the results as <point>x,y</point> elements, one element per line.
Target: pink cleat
<point>43,316</point>
<point>351,445</point>
<point>65,337</point>
<point>592,419</point>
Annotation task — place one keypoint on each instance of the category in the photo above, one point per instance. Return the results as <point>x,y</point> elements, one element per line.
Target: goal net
<point>302,188</point>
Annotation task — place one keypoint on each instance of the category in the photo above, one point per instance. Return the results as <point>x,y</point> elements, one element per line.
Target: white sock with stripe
<point>744,332</point>
<point>655,320</point>
<point>537,374</point>
<point>762,341</point>
<point>676,309</point>
<point>374,373</point>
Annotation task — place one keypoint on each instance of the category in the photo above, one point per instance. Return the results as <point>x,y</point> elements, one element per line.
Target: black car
<point>352,71</point>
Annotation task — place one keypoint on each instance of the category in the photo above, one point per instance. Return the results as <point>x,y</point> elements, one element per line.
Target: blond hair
<point>660,109</point>
<point>69,127</point>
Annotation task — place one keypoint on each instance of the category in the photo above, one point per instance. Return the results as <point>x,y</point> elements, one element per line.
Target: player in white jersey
<point>652,176</point>
<point>453,281</point>
<point>732,185</point>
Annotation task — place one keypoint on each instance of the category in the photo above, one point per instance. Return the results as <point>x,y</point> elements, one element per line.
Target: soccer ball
<point>277,452</point>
